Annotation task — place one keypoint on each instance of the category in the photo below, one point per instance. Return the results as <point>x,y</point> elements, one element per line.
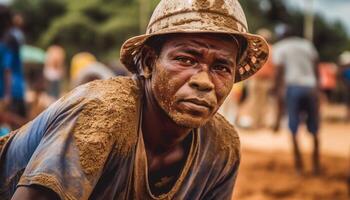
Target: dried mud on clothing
<point>271,176</point>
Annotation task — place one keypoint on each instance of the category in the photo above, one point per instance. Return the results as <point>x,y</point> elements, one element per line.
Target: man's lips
<point>198,102</point>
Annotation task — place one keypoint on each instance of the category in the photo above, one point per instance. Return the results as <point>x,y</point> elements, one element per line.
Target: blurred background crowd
<point>48,47</point>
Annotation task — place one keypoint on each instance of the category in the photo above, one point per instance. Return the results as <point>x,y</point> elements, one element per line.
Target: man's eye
<point>221,68</point>
<point>186,60</point>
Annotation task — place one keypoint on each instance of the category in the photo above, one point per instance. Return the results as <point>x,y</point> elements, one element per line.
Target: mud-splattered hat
<point>201,16</point>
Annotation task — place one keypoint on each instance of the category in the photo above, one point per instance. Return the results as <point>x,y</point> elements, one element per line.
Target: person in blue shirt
<point>11,72</point>
<point>5,72</point>
<point>5,54</point>
<point>17,76</point>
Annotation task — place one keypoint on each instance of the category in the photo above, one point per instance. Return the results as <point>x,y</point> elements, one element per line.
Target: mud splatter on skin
<point>171,82</point>
<point>108,120</point>
<point>163,98</point>
<point>165,94</point>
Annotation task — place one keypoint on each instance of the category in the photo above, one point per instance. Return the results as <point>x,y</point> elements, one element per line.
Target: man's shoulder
<point>108,120</point>
<point>116,92</point>
<point>223,135</point>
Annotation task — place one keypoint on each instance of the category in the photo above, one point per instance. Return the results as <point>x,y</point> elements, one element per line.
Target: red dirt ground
<point>271,176</point>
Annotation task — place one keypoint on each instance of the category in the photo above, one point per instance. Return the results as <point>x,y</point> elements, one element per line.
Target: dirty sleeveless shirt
<point>87,146</point>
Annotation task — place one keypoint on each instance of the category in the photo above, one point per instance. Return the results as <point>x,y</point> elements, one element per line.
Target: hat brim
<point>252,60</point>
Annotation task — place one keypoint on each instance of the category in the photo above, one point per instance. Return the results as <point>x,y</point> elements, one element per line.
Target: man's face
<point>193,75</point>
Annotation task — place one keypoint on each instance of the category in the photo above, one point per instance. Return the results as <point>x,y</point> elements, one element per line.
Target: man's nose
<point>201,81</point>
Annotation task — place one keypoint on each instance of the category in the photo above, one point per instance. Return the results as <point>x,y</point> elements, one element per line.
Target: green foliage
<point>330,39</point>
<point>38,15</point>
<point>96,26</point>
<point>101,26</point>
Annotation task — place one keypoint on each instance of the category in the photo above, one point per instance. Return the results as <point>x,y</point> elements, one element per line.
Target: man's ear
<point>148,60</point>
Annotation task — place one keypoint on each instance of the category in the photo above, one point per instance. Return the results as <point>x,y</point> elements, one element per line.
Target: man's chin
<point>189,121</point>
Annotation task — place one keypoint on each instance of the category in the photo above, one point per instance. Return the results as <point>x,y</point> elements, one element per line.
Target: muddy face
<point>192,76</point>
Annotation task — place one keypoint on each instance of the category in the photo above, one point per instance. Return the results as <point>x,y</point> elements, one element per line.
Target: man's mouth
<point>198,103</point>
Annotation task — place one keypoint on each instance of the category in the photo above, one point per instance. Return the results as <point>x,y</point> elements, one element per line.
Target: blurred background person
<point>344,74</point>
<point>14,39</point>
<point>118,68</point>
<point>258,89</point>
<point>54,69</point>
<point>5,55</point>
<point>93,71</point>
<point>37,96</point>
<point>12,108</point>
<point>279,88</point>
<point>16,29</point>
<point>5,23</point>
<point>328,80</point>
<point>296,60</point>
<point>230,108</point>
<point>86,68</point>
<point>79,61</point>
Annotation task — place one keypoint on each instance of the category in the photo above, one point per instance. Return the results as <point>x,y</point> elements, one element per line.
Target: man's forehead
<point>215,41</point>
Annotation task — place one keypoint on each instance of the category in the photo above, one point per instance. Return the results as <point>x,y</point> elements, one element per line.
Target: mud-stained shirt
<point>87,146</point>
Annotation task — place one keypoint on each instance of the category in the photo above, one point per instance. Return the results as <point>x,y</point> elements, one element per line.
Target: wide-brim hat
<point>201,16</point>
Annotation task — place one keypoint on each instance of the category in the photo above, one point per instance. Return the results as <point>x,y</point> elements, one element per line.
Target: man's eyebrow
<point>202,44</point>
<point>224,61</point>
<point>189,50</point>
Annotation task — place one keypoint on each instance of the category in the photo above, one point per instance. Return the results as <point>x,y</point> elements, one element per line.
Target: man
<point>153,136</point>
<point>297,59</point>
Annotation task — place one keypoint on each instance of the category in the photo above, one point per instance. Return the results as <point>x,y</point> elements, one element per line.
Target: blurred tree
<point>97,26</point>
<point>330,38</point>
<point>100,26</point>
<point>38,15</point>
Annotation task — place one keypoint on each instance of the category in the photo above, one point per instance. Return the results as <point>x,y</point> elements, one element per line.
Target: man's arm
<point>278,61</point>
<point>34,192</point>
<point>279,79</point>
<point>316,72</point>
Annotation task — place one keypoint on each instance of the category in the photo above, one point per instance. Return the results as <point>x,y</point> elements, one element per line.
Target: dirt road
<point>267,172</point>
